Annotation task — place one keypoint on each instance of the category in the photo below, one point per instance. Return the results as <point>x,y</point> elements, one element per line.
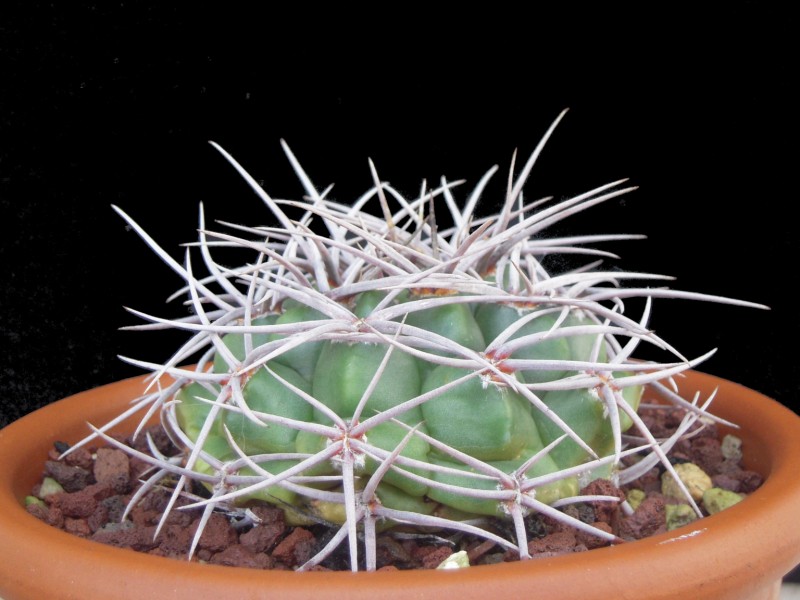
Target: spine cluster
<point>370,364</point>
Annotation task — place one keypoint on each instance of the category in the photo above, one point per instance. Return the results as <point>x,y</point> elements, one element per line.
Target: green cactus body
<point>301,358</point>
<point>274,494</point>
<point>235,343</point>
<point>487,422</point>
<point>393,497</point>
<point>366,302</point>
<point>264,393</point>
<point>341,378</point>
<point>344,371</point>
<point>548,493</point>
<point>582,347</point>
<point>496,318</point>
<point>586,414</point>
<point>193,408</point>
<point>455,322</point>
<point>387,436</point>
<point>312,443</point>
<point>479,417</point>
<point>218,447</point>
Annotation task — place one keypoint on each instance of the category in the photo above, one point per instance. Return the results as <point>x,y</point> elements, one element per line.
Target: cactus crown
<point>367,368</point>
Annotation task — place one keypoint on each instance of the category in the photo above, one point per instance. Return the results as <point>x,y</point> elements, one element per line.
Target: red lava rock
<point>80,504</point>
<point>204,555</point>
<point>116,506</point>
<point>750,481</point>
<point>137,468</point>
<point>581,512</point>
<point>726,482</point>
<point>650,482</point>
<point>551,525</point>
<point>262,537</point>
<point>174,540</point>
<point>426,556</point>
<point>37,510</point>
<point>111,467</point>
<point>55,517</point>
<point>649,518</point>
<point>707,454</point>
<point>729,466</point>
<point>158,436</point>
<point>239,556</point>
<point>149,512</point>
<point>661,421</point>
<point>553,544</point>
<point>269,514</point>
<point>296,548</point>
<point>182,518</point>
<point>707,430</point>
<point>77,527</point>
<point>82,457</point>
<point>477,551</point>
<point>431,557</point>
<point>156,500</point>
<point>71,479</point>
<point>592,541</point>
<point>608,512</point>
<point>99,517</point>
<point>390,551</point>
<point>673,417</point>
<point>143,517</point>
<point>682,451</point>
<point>126,535</point>
<point>271,528</point>
<point>217,533</point>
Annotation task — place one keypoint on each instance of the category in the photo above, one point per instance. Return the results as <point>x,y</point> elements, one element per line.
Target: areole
<point>741,553</point>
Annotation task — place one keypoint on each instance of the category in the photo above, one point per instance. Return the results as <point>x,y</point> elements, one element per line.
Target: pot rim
<point>743,549</point>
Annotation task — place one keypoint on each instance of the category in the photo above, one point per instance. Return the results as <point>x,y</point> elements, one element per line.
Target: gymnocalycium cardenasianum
<point>368,365</point>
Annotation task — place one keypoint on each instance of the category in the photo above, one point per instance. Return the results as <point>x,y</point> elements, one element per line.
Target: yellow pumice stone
<point>457,560</point>
<point>679,515</point>
<point>693,477</point>
<point>716,500</point>
<point>635,498</point>
<point>731,447</point>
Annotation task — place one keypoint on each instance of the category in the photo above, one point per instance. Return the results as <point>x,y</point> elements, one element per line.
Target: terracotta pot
<point>741,553</point>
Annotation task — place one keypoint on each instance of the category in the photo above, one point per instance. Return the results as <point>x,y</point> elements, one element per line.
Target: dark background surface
<point>113,104</point>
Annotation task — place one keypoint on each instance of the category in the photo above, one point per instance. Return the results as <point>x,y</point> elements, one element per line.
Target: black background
<point>113,103</point>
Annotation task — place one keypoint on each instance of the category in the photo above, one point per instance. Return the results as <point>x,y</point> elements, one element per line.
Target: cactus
<point>366,368</point>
